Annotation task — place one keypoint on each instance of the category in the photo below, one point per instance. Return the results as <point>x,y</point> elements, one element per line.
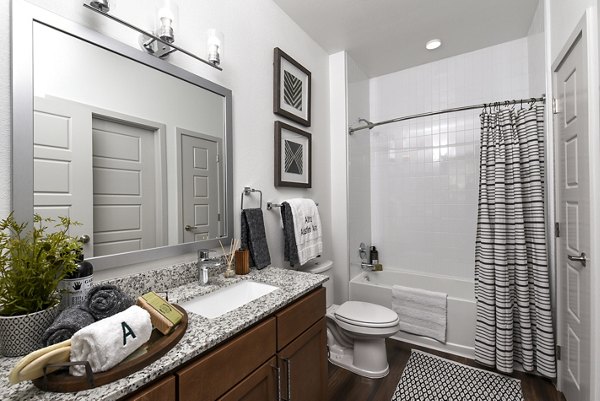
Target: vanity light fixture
<point>160,43</point>
<point>433,44</point>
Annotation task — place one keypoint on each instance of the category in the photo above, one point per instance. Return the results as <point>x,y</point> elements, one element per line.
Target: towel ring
<point>247,191</point>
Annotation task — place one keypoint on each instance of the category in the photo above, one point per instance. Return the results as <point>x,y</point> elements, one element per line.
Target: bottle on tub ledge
<point>76,285</point>
<point>374,259</point>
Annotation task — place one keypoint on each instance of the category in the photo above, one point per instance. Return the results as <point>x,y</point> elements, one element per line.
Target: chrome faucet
<point>205,263</point>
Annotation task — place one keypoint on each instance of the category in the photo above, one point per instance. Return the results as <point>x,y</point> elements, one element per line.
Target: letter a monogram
<point>127,331</point>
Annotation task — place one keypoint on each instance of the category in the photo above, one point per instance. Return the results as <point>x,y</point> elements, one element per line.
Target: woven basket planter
<point>20,335</point>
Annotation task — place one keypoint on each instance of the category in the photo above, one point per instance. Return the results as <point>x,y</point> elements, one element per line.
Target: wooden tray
<point>158,345</point>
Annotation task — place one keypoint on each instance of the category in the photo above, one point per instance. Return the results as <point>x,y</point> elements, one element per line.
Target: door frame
<point>586,28</point>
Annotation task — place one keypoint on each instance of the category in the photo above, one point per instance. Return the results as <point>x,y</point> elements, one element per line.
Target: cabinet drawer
<point>163,390</point>
<point>212,375</point>
<point>295,319</point>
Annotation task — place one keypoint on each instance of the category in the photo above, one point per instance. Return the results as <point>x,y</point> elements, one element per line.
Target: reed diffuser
<point>230,257</point>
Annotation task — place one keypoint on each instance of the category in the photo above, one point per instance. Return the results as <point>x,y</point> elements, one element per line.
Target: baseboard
<point>450,348</point>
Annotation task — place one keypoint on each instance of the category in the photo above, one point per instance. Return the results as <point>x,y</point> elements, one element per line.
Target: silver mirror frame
<point>24,16</point>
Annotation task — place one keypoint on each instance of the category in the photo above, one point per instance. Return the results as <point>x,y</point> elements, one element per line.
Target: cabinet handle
<point>289,379</point>
<point>278,370</point>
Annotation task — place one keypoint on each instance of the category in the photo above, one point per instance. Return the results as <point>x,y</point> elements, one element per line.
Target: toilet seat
<point>364,314</point>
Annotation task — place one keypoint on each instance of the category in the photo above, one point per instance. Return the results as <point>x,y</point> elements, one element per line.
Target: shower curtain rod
<point>370,125</point>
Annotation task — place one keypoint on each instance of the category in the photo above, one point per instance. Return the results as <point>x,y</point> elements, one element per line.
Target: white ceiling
<point>384,36</point>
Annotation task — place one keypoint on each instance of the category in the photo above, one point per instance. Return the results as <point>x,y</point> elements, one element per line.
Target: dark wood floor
<point>347,386</point>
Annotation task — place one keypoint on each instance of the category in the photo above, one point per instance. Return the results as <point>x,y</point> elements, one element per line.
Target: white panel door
<point>125,188</point>
<point>200,187</point>
<point>63,163</point>
<point>573,194</point>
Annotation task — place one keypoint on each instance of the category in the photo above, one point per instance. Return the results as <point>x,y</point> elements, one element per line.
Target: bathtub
<point>376,287</point>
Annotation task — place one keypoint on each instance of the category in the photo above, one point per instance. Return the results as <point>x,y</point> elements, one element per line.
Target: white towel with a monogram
<point>108,341</point>
<point>307,228</point>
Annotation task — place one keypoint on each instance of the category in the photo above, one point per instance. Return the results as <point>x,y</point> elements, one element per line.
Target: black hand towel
<point>290,249</point>
<point>254,237</point>
<point>106,300</point>
<point>66,324</point>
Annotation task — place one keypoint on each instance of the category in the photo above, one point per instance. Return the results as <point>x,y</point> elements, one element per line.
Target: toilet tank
<point>318,266</point>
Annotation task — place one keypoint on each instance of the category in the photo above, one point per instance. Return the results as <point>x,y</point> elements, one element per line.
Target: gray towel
<point>66,324</point>
<point>106,300</point>
<point>254,237</point>
<point>290,249</point>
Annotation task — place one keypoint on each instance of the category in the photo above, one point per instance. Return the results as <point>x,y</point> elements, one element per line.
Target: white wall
<point>359,165</point>
<point>564,16</point>
<point>339,173</point>
<point>424,177</point>
<point>537,53</point>
<point>252,29</point>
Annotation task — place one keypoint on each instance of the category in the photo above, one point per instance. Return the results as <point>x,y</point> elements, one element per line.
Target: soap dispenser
<point>373,256</point>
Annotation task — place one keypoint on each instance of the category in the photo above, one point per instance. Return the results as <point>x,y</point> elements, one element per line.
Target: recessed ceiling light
<point>433,44</point>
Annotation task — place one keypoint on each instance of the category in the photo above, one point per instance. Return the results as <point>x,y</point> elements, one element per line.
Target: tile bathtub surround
<point>202,334</point>
<point>424,172</point>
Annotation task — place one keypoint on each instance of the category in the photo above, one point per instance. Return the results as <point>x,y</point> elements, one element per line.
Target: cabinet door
<point>296,318</point>
<point>211,376</point>
<point>163,390</point>
<point>304,365</point>
<point>259,386</point>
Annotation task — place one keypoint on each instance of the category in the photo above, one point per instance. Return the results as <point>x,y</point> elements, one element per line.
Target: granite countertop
<point>201,335</point>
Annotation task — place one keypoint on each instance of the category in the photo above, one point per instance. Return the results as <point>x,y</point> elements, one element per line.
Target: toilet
<point>356,331</point>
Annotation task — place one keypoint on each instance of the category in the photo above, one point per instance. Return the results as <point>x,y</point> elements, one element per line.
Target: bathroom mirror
<point>134,148</point>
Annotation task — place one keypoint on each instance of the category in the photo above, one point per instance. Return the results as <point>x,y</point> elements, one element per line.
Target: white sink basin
<point>227,299</point>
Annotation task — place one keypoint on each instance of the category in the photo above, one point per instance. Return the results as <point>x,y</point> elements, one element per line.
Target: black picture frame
<point>291,88</point>
<point>293,156</point>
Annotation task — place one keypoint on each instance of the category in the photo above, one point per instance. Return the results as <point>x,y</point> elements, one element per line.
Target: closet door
<point>200,161</point>
<point>573,245</point>
<point>62,163</point>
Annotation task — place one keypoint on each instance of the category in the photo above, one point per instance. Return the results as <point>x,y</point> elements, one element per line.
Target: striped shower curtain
<point>514,317</point>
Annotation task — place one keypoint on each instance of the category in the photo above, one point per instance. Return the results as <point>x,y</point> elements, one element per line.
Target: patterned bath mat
<point>428,377</point>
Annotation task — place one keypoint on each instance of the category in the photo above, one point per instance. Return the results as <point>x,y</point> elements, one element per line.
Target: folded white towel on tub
<point>108,341</point>
<point>421,312</point>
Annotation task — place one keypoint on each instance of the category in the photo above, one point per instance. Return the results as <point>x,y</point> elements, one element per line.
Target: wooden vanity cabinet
<point>302,349</point>
<point>283,357</point>
<point>161,390</point>
<point>261,385</point>
<point>214,374</point>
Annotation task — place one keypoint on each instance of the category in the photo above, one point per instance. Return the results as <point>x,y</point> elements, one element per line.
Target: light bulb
<point>167,16</point>
<point>215,46</point>
<point>433,44</point>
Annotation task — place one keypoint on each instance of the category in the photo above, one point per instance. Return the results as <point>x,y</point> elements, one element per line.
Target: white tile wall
<point>424,172</point>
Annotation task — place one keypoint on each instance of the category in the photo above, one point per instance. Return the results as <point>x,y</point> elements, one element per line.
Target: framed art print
<point>292,156</point>
<point>291,88</point>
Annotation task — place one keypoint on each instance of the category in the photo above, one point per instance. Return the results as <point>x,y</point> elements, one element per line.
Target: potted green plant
<point>32,263</point>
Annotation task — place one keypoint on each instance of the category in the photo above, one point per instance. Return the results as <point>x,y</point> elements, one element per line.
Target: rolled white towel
<point>108,341</point>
